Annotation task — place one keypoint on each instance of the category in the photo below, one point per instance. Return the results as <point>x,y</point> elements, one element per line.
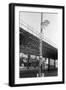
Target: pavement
<point>26,73</point>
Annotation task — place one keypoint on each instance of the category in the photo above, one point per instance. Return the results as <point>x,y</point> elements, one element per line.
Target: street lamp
<point>43,25</point>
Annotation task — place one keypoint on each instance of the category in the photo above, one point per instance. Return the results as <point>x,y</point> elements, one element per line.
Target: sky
<point>33,19</point>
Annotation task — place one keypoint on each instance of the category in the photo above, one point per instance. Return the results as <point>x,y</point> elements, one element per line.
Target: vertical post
<point>40,48</point>
<point>41,31</point>
<point>48,64</point>
<point>28,61</point>
<point>54,63</point>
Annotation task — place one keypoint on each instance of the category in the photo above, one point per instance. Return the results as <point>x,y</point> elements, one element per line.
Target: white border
<point>42,79</point>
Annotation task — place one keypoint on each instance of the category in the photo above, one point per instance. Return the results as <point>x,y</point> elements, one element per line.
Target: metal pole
<point>40,48</point>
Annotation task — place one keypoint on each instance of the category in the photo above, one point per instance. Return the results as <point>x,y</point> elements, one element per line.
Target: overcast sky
<point>34,20</point>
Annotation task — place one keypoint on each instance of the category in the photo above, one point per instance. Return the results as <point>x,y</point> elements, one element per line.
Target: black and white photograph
<point>37,44</point>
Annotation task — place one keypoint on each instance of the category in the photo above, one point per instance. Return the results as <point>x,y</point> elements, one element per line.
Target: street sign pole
<point>42,25</point>
<point>40,47</point>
